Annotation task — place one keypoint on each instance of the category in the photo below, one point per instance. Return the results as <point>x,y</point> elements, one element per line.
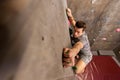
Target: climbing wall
<point>103,21</point>
<point>33,34</point>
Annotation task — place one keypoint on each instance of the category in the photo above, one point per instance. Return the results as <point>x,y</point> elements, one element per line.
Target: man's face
<point>78,32</point>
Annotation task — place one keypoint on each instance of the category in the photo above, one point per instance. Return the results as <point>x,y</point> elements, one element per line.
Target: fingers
<point>66,52</point>
<point>68,10</point>
<point>69,13</point>
<point>65,49</point>
<point>67,60</point>
<point>65,64</point>
<point>66,55</point>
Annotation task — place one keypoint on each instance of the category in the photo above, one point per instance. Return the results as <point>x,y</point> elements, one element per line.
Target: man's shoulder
<point>83,36</point>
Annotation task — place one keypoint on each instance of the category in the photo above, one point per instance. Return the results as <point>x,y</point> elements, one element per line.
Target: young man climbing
<point>80,54</point>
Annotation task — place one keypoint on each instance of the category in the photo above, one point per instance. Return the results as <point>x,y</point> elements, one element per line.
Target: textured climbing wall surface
<point>103,21</point>
<point>33,34</point>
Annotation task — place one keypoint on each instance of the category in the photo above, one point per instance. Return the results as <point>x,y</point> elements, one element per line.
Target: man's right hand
<point>69,13</point>
<point>70,17</point>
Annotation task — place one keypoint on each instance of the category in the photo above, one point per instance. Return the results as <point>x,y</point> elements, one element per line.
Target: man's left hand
<point>68,58</point>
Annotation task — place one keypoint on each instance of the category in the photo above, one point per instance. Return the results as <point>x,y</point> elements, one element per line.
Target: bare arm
<point>70,17</point>
<point>77,47</point>
<point>72,21</point>
<point>72,53</point>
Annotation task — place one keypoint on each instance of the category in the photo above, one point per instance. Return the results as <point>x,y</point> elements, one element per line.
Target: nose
<point>75,33</point>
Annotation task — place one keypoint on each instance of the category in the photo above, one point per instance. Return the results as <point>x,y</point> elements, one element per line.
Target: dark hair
<point>81,24</point>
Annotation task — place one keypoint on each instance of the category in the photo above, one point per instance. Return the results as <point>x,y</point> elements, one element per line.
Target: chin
<point>75,36</point>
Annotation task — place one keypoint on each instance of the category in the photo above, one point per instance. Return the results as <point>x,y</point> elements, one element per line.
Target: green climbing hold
<point>67,52</point>
<point>74,68</point>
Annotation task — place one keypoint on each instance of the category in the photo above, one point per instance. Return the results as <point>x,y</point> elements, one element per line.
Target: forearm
<point>70,17</point>
<point>77,47</point>
<point>72,21</point>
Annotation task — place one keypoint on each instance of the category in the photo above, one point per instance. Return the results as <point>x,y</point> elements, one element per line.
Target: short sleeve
<point>83,40</point>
